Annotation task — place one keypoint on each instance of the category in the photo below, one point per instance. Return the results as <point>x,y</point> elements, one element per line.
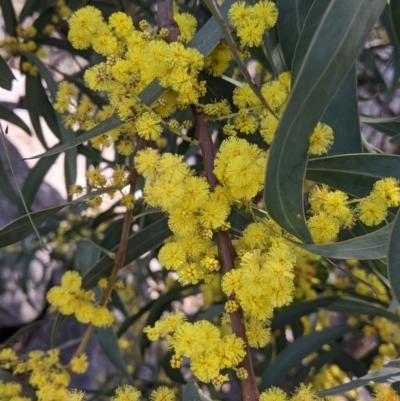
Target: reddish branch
<point>165,19</point>
<point>226,252</point>
<point>132,178</point>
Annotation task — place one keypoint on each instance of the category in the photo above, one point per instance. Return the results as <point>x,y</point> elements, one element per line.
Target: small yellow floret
<point>320,140</point>
<point>79,363</point>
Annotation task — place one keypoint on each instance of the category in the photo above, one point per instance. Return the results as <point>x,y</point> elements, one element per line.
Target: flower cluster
<point>202,343</point>
<point>252,114</point>
<point>265,260</point>
<point>134,59</point>
<point>252,21</point>
<point>332,210</point>
<point>70,298</point>
<point>25,39</point>
<point>46,374</point>
<point>193,210</point>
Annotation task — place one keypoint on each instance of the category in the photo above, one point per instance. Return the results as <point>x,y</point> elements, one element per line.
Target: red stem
<point>133,177</point>
<point>226,252</point>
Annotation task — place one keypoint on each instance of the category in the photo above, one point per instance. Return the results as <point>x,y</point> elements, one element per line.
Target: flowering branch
<point>225,249</point>
<point>226,252</point>
<point>120,254</point>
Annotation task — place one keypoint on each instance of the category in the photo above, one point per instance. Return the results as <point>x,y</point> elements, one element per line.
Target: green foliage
<point>345,289</point>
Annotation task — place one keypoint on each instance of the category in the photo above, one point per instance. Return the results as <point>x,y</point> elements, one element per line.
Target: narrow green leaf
<point>19,333</point>
<point>56,327</point>
<point>273,52</point>
<point>108,342</point>
<point>388,373</point>
<point>9,18</point>
<point>395,140</point>
<point>105,126</point>
<point>395,16</point>
<point>208,37</point>
<point>33,107</point>
<point>292,14</point>
<point>388,126</point>
<point>294,353</point>
<point>393,257</point>
<point>354,306</point>
<point>294,312</point>
<point>62,44</point>
<point>332,49</point>
<point>11,117</point>
<point>67,134</point>
<point>35,178</point>
<point>8,156</point>
<point>342,116</point>
<point>6,75</point>
<point>138,244</point>
<point>192,392</point>
<point>354,174</point>
<point>44,107</point>
<point>315,365</point>
<point>87,254</point>
<point>394,82</point>
<point>20,228</point>
<point>30,7</point>
<point>44,73</point>
<point>370,246</point>
<point>7,188</point>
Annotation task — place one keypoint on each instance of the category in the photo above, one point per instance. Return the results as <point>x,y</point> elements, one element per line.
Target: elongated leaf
<point>6,75</point>
<point>55,329</point>
<point>388,373</point>
<point>342,116</point>
<point>19,333</point>
<point>9,17</point>
<point>332,49</point>
<point>273,52</point>
<point>294,312</point>
<point>138,244</point>
<point>387,23</point>
<point>393,257</point>
<point>395,16</point>
<point>10,116</point>
<point>354,174</point>
<point>208,37</point>
<point>354,306</point>
<point>31,6</point>
<point>43,106</point>
<point>388,126</point>
<point>33,107</point>
<point>369,246</point>
<point>105,126</point>
<point>62,44</point>
<point>395,140</point>
<point>325,357</point>
<point>192,392</point>
<point>35,178</point>
<point>20,228</point>
<point>6,187</point>
<point>109,344</point>
<point>292,14</point>
<point>293,354</point>
<point>67,134</point>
